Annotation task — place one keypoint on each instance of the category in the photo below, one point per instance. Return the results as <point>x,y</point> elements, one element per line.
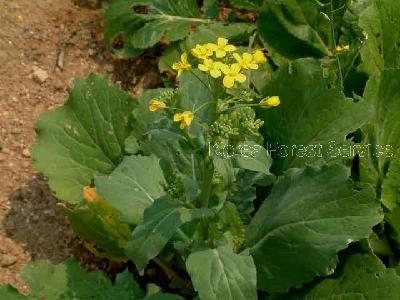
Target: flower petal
<point>222,41</point>
<point>215,73</point>
<point>225,69</point>
<point>240,77</point>
<point>184,57</point>
<point>237,57</point>
<point>178,117</point>
<point>228,81</point>
<point>220,53</point>
<point>235,68</point>
<point>230,48</point>
<point>203,68</point>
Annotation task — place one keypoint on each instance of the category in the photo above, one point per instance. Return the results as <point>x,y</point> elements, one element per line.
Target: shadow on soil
<point>37,223</point>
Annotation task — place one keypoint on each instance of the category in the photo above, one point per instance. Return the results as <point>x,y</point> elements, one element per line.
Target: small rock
<point>39,75</point>
<point>26,153</point>
<point>7,260</point>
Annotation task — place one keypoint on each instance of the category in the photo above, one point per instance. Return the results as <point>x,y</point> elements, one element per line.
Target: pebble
<point>26,153</point>
<point>39,75</point>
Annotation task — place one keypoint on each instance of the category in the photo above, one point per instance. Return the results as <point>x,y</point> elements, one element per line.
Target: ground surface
<point>64,41</point>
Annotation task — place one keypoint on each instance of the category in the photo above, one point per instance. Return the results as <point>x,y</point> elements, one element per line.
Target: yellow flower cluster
<point>231,73</point>
<point>227,64</point>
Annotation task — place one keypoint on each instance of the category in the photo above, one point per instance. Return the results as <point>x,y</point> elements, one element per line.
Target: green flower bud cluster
<point>217,178</point>
<point>228,227</point>
<point>174,186</point>
<point>168,96</point>
<point>235,126</point>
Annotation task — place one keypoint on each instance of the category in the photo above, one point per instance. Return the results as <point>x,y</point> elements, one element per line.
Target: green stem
<point>163,15</point>
<point>334,43</point>
<point>353,61</point>
<point>183,236</point>
<point>206,184</point>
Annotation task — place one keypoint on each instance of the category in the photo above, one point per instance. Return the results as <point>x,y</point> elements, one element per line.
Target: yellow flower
<point>182,65</point>
<point>269,102</point>
<point>213,67</point>
<point>185,118</point>
<point>221,48</point>
<point>201,51</point>
<point>245,61</point>
<point>342,49</point>
<point>156,104</point>
<point>89,194</point>
<point>232,74</point>
<point>259,57</point>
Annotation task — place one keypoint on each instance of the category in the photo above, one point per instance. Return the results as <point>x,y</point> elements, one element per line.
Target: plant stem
<point>163,15</point>
<point>334,43</point>
<point>206,184</point>
<point>183,236</point>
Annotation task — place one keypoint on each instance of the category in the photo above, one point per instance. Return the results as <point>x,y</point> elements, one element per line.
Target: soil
<point>43,45</point>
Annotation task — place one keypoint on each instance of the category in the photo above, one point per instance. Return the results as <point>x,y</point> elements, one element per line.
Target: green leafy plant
<point>250,177</point>
<point>69,281</point>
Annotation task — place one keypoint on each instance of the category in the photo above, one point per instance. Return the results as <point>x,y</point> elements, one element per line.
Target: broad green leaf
<point>364,277</point>
<point>221,274</point>
<point>160,222</point>
<point>383,133</point>
<point>69,281</point>
<point>391,184</point>
<point>38,275</point>
<point>313,120</point>
<point>381,22</point>
<point>10,293</point>
<point>210,9</point>
<point>126,288</point>
<point>294,28</point>
<point>168,18</point>
<point>234,32</point>
<point>99,224</point>
<point>393,219</point>
<point>133,186</point>
<point>83,138</point>
<point>119,19</point>
<point>308,217</point>
<point>254,157</point>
